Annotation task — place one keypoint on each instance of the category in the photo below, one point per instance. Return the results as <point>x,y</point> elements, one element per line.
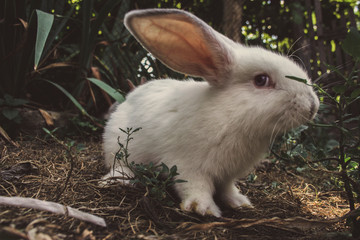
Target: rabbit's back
<point>179,120</point>
<point>159,108</point>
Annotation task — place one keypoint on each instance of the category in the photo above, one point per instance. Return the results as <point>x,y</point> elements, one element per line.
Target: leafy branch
<point>156,178</point>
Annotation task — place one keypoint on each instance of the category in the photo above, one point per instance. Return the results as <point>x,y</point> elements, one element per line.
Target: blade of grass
<point>352,42</point>
<point>108,89</point>
<point>58,25</point>
<point>103,13</point>
<point>297,79</point>
<point>317,87</point>
<point>76,103</point>
<point>44,24</point>
<point>86,47</point>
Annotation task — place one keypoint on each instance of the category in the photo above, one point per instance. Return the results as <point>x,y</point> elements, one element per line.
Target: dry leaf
<point>24,23</point>
<point>13,232</point>
<point>55,65</point>
<point>96,73</point>
<point>87,235</point>
<point>7,138</point>
<point>34,235</point>
<point>47,117</point>
<point>131,85</point>
<point>17,171</point>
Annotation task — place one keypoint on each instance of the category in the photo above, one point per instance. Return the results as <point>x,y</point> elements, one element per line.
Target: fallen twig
<point>52,207</point>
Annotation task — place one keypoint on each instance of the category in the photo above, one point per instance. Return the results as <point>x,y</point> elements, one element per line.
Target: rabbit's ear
<point>183,42</point>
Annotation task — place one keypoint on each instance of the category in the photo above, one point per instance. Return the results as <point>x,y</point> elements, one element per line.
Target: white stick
<point>52,207</point>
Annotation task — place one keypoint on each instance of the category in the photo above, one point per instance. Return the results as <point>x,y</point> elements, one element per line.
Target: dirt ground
<point>287,204</point>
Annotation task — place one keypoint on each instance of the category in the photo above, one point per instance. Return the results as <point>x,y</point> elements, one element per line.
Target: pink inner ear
<point>182,43</point>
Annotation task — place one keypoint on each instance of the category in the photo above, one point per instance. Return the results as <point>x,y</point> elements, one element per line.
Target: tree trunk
<point>232,15</point>
<point>303,44</point>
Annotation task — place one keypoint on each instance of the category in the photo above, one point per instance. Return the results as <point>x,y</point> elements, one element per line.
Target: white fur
<point>214,133</point>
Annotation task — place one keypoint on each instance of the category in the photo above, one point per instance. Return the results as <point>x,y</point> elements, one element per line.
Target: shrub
<point>333,140</point>
<point>157,179</point>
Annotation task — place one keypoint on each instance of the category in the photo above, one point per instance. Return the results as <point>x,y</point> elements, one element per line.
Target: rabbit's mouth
<point>297,113</point>
<point>313,111</point>
<point>306,107</point>
<point>314,106</point>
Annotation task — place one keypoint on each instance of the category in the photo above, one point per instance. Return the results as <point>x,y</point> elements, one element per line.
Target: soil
<point>287,204</point>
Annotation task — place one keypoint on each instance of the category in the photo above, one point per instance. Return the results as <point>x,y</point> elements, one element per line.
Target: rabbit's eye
<point>262,80</point>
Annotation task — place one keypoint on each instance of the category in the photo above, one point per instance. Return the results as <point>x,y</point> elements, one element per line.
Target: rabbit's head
<point>253,78</point>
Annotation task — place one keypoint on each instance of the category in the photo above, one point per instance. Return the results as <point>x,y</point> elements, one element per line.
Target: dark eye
<point>262,80</point>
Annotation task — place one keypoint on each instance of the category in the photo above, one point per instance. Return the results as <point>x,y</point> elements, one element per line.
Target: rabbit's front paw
<point>119,174</point>
<point>235,199</point>
<point>202,206</point>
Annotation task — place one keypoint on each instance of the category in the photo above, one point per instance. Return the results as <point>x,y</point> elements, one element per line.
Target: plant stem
<point>68,150</point>
<point>344,174</point>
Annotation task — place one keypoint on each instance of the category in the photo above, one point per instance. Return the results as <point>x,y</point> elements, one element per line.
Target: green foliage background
<point>87,34</point>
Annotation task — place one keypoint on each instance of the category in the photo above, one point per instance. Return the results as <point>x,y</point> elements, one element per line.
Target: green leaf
<point>331,145</point>
<point>353,165</point>
<point>351,44</point>
<point>136,129</point>
<point>355,93</point>
<point>297,79</point>
<point>179,181</point>
<point>340,89</point>
<point>343,129</point>
<point>108,89</point>
<point>357,118</point>
<point>354,100</point>
<point>10,113</point>
<point>164,168</point>
<point>173,171</point>
<point>103,13</point>
<point>47,131</point>
<point>300,169</point>
<point>44,24</point>
<point>14,102</point>
<point>76,103</point>
<point>80,147</point>
<point>90,28</point>
<point>58,25</point>
<point>50,133</point>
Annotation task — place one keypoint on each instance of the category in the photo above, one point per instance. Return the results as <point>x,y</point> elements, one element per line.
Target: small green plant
<point>155,178</point>
<point>334,139</point>
<point>8,106</point>
<point>9,112</point>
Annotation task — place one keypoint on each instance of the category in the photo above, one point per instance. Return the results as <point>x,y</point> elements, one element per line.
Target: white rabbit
<point>214,131</point>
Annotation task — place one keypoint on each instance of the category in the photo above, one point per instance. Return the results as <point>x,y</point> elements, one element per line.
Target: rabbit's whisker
<point>293,53</point>
<point>299,59</point>
<point>292,47</point>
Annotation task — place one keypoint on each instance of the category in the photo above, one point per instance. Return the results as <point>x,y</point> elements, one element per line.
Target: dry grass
<point>130,214</point>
